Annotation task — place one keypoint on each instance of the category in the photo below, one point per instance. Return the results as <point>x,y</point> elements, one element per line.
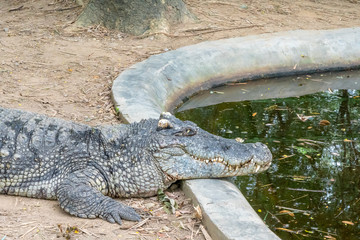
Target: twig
<point>68,53</point>
<point>37,63</point>
<point>225,29</point>
<point>306,190</point>
<point>339,213</point>
<point>293,209</point>
<point>27,223</point>
<point>266,185</point>
<point>309,140</point>
<point>299,232</point>
<point>197,29</point>
<point>295,199</point>
<point>288,156</point>
<point>137,225</point>
<point>329,233</point>
<point>16,9</point>
<point>277,219</point>
<point>89,233</point>
<point>222,3</point>
<point>62,9</point>
<point>28,232</point>
<point>197,34</point>
<point>205,233</point>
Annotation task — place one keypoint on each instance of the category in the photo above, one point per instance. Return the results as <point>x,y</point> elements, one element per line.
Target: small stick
<point>309,140</point>
<point>89,233</point>
<point>222,3</point>
<point>293,209</point>
<point>16,9</point>
<point>62,9</point>
<point>205,233</point>
<point>296,198</point>
<point>28,232</point>
<point>326,232</point>
<point>306,190</point>
<point>27,223</point>
<point>138,224</point>
<point>197,29</point>
<point>277,219</point>
<point>197,34</point>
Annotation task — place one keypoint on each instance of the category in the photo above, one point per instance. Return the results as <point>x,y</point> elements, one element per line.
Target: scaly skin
<point>85,167</point>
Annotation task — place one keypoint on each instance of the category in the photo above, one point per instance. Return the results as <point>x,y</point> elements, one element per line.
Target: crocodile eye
<point>186,132</point>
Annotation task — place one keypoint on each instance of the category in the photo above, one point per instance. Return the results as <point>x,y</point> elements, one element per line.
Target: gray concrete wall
<point>161,82</point>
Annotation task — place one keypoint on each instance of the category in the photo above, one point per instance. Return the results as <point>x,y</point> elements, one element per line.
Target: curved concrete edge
<point>161,82</point>
<point>241,222</point>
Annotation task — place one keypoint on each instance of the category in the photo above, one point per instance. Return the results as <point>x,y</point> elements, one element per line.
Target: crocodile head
<point>185,151</point>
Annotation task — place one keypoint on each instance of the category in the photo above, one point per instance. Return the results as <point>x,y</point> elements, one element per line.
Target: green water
<point>312,189</point>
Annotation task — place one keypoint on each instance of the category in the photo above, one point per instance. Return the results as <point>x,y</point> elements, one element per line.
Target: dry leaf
<point>329,237</point>
<point>286,156</point>
<point>178,213</point>
<point>347,222</point>
<point>284,229</point>
<point>287,212</point>
<point>324,123</point>
<point>198,212</point>
<point>254,114</point>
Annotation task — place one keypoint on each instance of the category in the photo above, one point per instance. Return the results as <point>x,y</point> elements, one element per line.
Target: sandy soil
<point>49,66</point>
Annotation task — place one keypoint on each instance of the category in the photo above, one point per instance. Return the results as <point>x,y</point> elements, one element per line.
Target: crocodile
<point>85,167</point>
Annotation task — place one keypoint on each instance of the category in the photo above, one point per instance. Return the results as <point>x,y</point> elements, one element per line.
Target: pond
<point>312,189</point>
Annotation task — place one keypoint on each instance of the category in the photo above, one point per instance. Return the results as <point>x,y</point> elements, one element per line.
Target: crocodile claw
<point>114,211</point>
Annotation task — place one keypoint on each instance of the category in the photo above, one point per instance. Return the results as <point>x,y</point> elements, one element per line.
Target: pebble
<point>6,30</point>
<point>244,6</point>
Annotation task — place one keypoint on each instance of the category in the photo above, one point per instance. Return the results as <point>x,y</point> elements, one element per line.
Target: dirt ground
<point>49,66</point>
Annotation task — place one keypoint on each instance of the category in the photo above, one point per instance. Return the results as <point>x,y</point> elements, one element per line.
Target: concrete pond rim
<point>164,81</point>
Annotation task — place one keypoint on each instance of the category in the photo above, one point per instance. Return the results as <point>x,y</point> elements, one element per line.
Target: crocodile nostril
<point>226,147</point>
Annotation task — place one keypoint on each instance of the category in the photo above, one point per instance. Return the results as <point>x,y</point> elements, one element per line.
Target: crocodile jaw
<point>179,163</point>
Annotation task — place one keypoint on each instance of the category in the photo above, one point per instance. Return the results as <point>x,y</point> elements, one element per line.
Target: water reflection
<point>312,190</point>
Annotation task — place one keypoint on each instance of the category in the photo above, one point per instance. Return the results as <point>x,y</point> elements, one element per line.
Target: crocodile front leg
<point>80,195</point>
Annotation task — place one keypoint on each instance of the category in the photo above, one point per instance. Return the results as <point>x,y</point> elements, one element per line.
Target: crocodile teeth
<point>207,161</point>
<point>257,168</point>
<point>230,168</point>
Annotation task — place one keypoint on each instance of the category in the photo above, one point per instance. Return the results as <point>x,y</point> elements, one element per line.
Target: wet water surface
<point>312,189</point>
